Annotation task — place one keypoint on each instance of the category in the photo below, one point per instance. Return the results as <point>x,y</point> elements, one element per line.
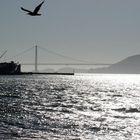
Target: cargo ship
<point>10,68</point>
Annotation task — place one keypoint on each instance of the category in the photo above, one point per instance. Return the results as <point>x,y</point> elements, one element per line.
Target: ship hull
<point>8,68</point>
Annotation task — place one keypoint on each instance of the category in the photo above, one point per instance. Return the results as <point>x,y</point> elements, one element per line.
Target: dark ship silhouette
<point>9,68</point>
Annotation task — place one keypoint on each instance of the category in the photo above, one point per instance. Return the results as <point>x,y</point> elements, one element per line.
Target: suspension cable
<point>19,54</point>
<point>61,55</point>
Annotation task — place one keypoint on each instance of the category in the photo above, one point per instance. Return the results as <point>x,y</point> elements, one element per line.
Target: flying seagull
<point>35,12</point>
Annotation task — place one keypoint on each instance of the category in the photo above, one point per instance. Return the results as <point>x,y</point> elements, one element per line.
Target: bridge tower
<point>36,58</point>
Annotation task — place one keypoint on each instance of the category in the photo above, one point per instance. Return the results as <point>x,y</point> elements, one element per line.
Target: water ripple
<point>81,107</point>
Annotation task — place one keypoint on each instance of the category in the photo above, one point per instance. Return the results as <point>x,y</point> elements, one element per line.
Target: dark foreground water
<point>80,107</point>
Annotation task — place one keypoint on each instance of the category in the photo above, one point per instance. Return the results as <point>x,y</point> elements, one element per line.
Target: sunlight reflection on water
<point>80,107</point>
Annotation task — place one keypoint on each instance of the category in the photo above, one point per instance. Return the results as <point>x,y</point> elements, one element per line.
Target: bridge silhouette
<point>77,62</point>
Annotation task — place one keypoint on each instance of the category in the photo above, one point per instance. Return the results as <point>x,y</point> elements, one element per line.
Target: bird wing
<point>38,7</point>
<point>25,10</point>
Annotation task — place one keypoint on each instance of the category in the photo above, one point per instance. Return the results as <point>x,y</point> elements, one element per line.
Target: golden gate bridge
<point>36,63</point>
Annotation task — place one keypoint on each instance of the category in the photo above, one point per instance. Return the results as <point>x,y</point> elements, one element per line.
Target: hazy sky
<point>91,30</point>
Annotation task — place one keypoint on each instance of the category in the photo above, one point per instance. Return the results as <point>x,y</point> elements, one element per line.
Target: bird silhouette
<point>35,12</point>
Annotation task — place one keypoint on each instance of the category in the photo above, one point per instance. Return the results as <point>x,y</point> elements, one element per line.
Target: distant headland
<point>129,65</point>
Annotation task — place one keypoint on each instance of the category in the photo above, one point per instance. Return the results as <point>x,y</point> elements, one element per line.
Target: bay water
<point>79,107</point>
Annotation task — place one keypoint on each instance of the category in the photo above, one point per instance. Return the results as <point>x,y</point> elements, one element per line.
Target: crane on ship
<point>3,54</point>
